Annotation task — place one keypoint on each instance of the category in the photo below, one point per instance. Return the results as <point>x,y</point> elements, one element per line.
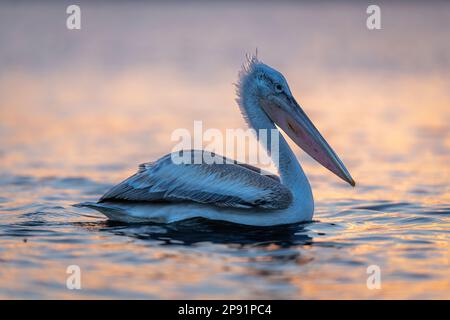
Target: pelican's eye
<point>278,88</point>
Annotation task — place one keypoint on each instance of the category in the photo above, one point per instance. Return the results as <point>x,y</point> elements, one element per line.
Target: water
<point>81,109</point>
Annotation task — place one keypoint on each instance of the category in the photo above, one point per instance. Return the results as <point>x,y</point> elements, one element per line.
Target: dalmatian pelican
<point>164,192</point>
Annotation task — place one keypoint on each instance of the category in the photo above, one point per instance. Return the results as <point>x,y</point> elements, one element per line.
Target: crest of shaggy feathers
<point>251,61</point>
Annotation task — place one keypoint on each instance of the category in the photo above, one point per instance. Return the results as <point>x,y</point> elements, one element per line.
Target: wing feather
<point>226,184</point>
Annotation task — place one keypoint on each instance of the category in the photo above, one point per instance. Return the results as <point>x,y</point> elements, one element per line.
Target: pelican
<point>165,192</point>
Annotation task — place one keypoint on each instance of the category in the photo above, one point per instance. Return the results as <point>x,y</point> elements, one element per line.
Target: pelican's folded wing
<point>225,184</point>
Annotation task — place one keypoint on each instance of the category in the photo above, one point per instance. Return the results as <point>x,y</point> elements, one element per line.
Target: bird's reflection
<point>201,230</point>
<point>261,252</point>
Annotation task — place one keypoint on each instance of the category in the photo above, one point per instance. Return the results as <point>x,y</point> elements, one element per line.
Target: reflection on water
<point>195,231</point>
<point>79,111</point>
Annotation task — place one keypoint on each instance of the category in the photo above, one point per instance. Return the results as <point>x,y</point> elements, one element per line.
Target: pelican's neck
<point>289,169</point>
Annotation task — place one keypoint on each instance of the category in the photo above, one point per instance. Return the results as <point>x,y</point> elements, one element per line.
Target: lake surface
<point>79,110</point>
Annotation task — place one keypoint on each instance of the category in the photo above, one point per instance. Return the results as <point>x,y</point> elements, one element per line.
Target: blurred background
<point>80,109</point>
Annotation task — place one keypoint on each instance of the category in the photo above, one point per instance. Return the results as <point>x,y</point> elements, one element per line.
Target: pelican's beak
<point>290,117</point>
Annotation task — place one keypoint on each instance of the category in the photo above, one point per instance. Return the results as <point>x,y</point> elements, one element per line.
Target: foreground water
<point>80,111</point>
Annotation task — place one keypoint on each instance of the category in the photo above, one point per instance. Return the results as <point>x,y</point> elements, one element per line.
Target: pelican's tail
<point>112,212</point>
<point>92,205</point>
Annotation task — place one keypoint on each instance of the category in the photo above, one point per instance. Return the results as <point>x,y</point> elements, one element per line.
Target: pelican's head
<point>275,98</point>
